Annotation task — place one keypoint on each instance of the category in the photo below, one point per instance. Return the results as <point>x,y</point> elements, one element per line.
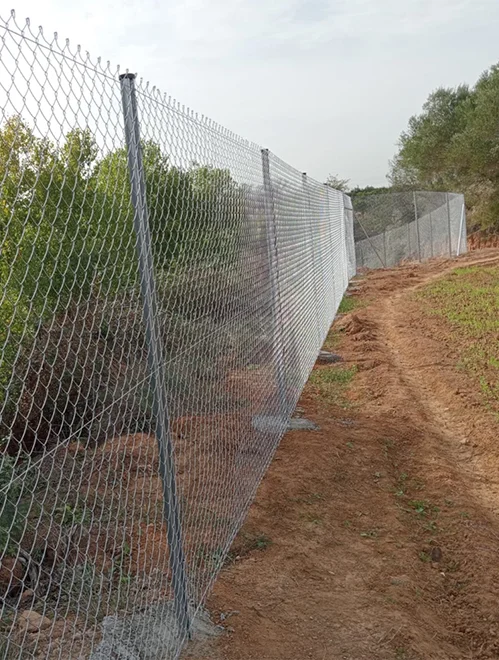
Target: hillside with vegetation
<point>451,145</point>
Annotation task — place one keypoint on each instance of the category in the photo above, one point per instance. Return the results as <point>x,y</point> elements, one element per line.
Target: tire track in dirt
<point>441,392</point>
<point>454,448</point>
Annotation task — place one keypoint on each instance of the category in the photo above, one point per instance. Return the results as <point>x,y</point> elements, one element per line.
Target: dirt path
<point>427,367</point>
<point>377,536</point>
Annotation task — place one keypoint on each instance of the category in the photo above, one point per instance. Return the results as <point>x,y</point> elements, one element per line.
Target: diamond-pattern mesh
<point>405,226</point>
<point>162,303</point>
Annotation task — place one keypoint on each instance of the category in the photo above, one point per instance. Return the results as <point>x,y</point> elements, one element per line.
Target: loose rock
<point>436,554</point>
<point>33,622</point>
<point>11,575</point>
<point>26,597</point>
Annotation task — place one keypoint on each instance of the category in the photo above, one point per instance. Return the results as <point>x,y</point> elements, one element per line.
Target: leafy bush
<point>452,145</point>
<point>71,332</point>
<point>13,510</point>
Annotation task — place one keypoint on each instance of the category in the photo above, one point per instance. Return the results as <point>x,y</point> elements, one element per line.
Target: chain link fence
<point>165,287</point>
<point>406,226</point>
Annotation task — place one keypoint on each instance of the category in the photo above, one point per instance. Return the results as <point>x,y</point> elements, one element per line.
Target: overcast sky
<point>328,85</point>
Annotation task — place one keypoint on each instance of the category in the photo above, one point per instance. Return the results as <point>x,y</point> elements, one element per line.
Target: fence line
<point>165,287</point>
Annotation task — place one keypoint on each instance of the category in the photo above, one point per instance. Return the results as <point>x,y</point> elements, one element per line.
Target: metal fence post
<point>155,353</point>
<point>330,236</point>
<point>431,236</point>
<point>383,264</point>
<point>384,246</point>
<point>273,256</point>
<point>343,240</point>
<point>417,225</point>
<point>461,222</point>
<point>448,223</point>
<point>314,263</point>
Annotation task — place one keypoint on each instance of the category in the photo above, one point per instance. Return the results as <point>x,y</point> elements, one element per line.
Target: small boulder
<point>11,575</point>
<point>27,597</point>
<point>436,554</point>
<point>32,622</point>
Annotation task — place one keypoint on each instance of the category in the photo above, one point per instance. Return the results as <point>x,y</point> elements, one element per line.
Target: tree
<point>369,190</point>
<point>192,212</point>
<point>423,156</point>
<point>454,145</point>
<point>333,181</point>
<point>219,203</point>
<point>67,219</point>
<point>47,206</point>
<point>69,273</point>
<point>474,151</point>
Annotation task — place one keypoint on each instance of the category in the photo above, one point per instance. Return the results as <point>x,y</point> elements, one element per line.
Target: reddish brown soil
<point>479,240</point>
<point>384,524</point>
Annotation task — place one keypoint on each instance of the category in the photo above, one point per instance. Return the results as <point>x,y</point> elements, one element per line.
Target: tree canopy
<point>334,181</point>
<point>66,221</point>
<point>453,144</point>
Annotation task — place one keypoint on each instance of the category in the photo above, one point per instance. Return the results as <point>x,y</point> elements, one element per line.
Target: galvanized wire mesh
<point>165,287</point>
<point>393,227</point>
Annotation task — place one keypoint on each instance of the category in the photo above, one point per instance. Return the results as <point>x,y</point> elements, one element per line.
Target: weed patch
<point>369,534</point>
<point>348,304</point>
<point>423,508</point>
<point>246,542</point>
<point>330,383</point>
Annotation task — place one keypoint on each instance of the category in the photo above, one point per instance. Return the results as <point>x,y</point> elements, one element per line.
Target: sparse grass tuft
<point>262,542</point>
<point>423,508</point>
<point>401,485</point>
<point>330,383</point>
<point>425,557</point>
<point>369,534</point>
<point>348,304</point>
<point>312,518</point>
<point>333,340</point>
<point>339,375</point>
<point>247,542</point>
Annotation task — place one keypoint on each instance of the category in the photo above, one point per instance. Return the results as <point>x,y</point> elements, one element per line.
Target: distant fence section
<point>390,228</point>
<point>165,287</point>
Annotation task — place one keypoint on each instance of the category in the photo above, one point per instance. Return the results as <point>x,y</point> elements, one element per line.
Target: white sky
<point>328,85</point>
